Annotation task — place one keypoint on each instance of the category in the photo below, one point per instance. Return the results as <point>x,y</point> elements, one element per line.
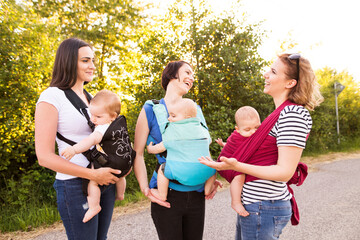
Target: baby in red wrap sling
<point>247,122</point>
<point>257,149</point>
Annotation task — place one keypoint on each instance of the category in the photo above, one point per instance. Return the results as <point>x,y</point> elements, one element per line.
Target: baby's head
<point>105,107</point>
<point>186,108</point>
<point>247,121</point>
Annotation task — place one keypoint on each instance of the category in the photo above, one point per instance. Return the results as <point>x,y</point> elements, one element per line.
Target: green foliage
<point>229,73</point>
<point>29,201</point>
<point>224,54</point>
<point>323,135</point>
<point>131,198</point>
<point>28,218</point>
<point>26,52</point>
<point>34,185</point>
<point>25,65</point>
<point>31,32</point>
<point>109,26</point>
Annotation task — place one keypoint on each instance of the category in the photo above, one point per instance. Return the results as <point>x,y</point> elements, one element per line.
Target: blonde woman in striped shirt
<point>292,83</point>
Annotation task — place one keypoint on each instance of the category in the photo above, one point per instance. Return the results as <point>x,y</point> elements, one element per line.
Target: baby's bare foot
<point>119,197</point>
<point>91,212</point>
<point>239,208</point>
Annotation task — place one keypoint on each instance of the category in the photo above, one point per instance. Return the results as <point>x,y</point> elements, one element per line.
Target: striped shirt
<point>291,129</point>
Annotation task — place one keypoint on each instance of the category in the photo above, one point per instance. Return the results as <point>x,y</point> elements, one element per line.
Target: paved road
<point>329,203</point>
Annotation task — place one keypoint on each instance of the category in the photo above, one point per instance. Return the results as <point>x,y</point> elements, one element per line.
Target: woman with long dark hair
<point>73,67</point>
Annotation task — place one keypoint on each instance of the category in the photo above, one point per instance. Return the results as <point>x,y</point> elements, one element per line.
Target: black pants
<point>184,220</point>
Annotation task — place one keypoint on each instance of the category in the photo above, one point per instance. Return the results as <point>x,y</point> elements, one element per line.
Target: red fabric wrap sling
<point>261,149</point>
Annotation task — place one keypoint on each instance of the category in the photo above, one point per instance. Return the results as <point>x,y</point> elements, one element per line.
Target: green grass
<point>346,145</point>
<point>130,198</point>
<point>27,219</point>
<point>34,215</point>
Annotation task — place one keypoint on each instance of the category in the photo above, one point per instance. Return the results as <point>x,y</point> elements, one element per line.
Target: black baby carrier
<point>115,143</point>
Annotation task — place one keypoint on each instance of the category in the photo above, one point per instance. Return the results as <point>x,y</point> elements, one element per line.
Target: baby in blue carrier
<point>185,139</point>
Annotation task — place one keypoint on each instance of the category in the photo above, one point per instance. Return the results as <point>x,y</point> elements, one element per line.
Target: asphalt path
<point>329,204</point>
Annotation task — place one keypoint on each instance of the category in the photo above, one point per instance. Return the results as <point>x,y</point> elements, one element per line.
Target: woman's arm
<point>141,134</point>
<point>288,160</point>
<point>46,120</point>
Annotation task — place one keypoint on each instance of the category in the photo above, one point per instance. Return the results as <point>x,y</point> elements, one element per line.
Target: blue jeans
<point>266,220</point>
<point>184,220</point>
<point>72,205</point>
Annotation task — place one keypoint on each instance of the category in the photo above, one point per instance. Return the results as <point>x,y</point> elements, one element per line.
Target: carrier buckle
<point>101,160</point>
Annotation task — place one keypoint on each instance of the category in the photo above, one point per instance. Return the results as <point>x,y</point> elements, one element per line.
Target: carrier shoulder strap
<point>81,107</point>
<point>160,113</point>
<point>162,120</point>
<point>79,104</point>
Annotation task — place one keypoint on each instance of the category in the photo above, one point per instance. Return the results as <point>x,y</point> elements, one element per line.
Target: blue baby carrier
<point>185,141</point>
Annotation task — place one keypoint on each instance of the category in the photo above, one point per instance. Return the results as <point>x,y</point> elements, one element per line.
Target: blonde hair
<point>307,90</point>
<point>246,112</point>
<point>189,107</point>
<point>110,101</point>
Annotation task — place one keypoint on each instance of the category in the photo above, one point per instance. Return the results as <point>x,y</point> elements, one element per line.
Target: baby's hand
<point>220,142</point>
<point>150,148</point>
<point>68,153</point>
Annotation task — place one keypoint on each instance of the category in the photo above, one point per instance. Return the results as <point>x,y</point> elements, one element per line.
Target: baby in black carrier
<point>113,147</point>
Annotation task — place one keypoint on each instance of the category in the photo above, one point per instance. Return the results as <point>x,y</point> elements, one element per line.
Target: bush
<point>29,201</point>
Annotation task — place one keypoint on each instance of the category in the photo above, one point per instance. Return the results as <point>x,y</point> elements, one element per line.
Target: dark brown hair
<point>65,67</point>
<point>171,72</point>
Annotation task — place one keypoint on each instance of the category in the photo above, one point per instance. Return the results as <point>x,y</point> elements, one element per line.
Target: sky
<point>327,32</point>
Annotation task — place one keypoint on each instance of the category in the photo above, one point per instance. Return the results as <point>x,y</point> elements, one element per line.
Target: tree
<point>26,56</point>
<point>229,73</point>
<point>25,65</point>
<point>324,134</point>
<point>31,32</point>
<point>224,54</point>
<point>110,26</point>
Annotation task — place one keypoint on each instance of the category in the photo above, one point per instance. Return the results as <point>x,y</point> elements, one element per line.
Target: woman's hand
<point>217,184</point>
<point>230,162</point>
<point>152,198</point>
<point>225,164</point>
<point>105,176</point>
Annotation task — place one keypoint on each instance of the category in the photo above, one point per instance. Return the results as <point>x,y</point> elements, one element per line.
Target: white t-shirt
<point>102,128</point>
<point>71,124</point>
